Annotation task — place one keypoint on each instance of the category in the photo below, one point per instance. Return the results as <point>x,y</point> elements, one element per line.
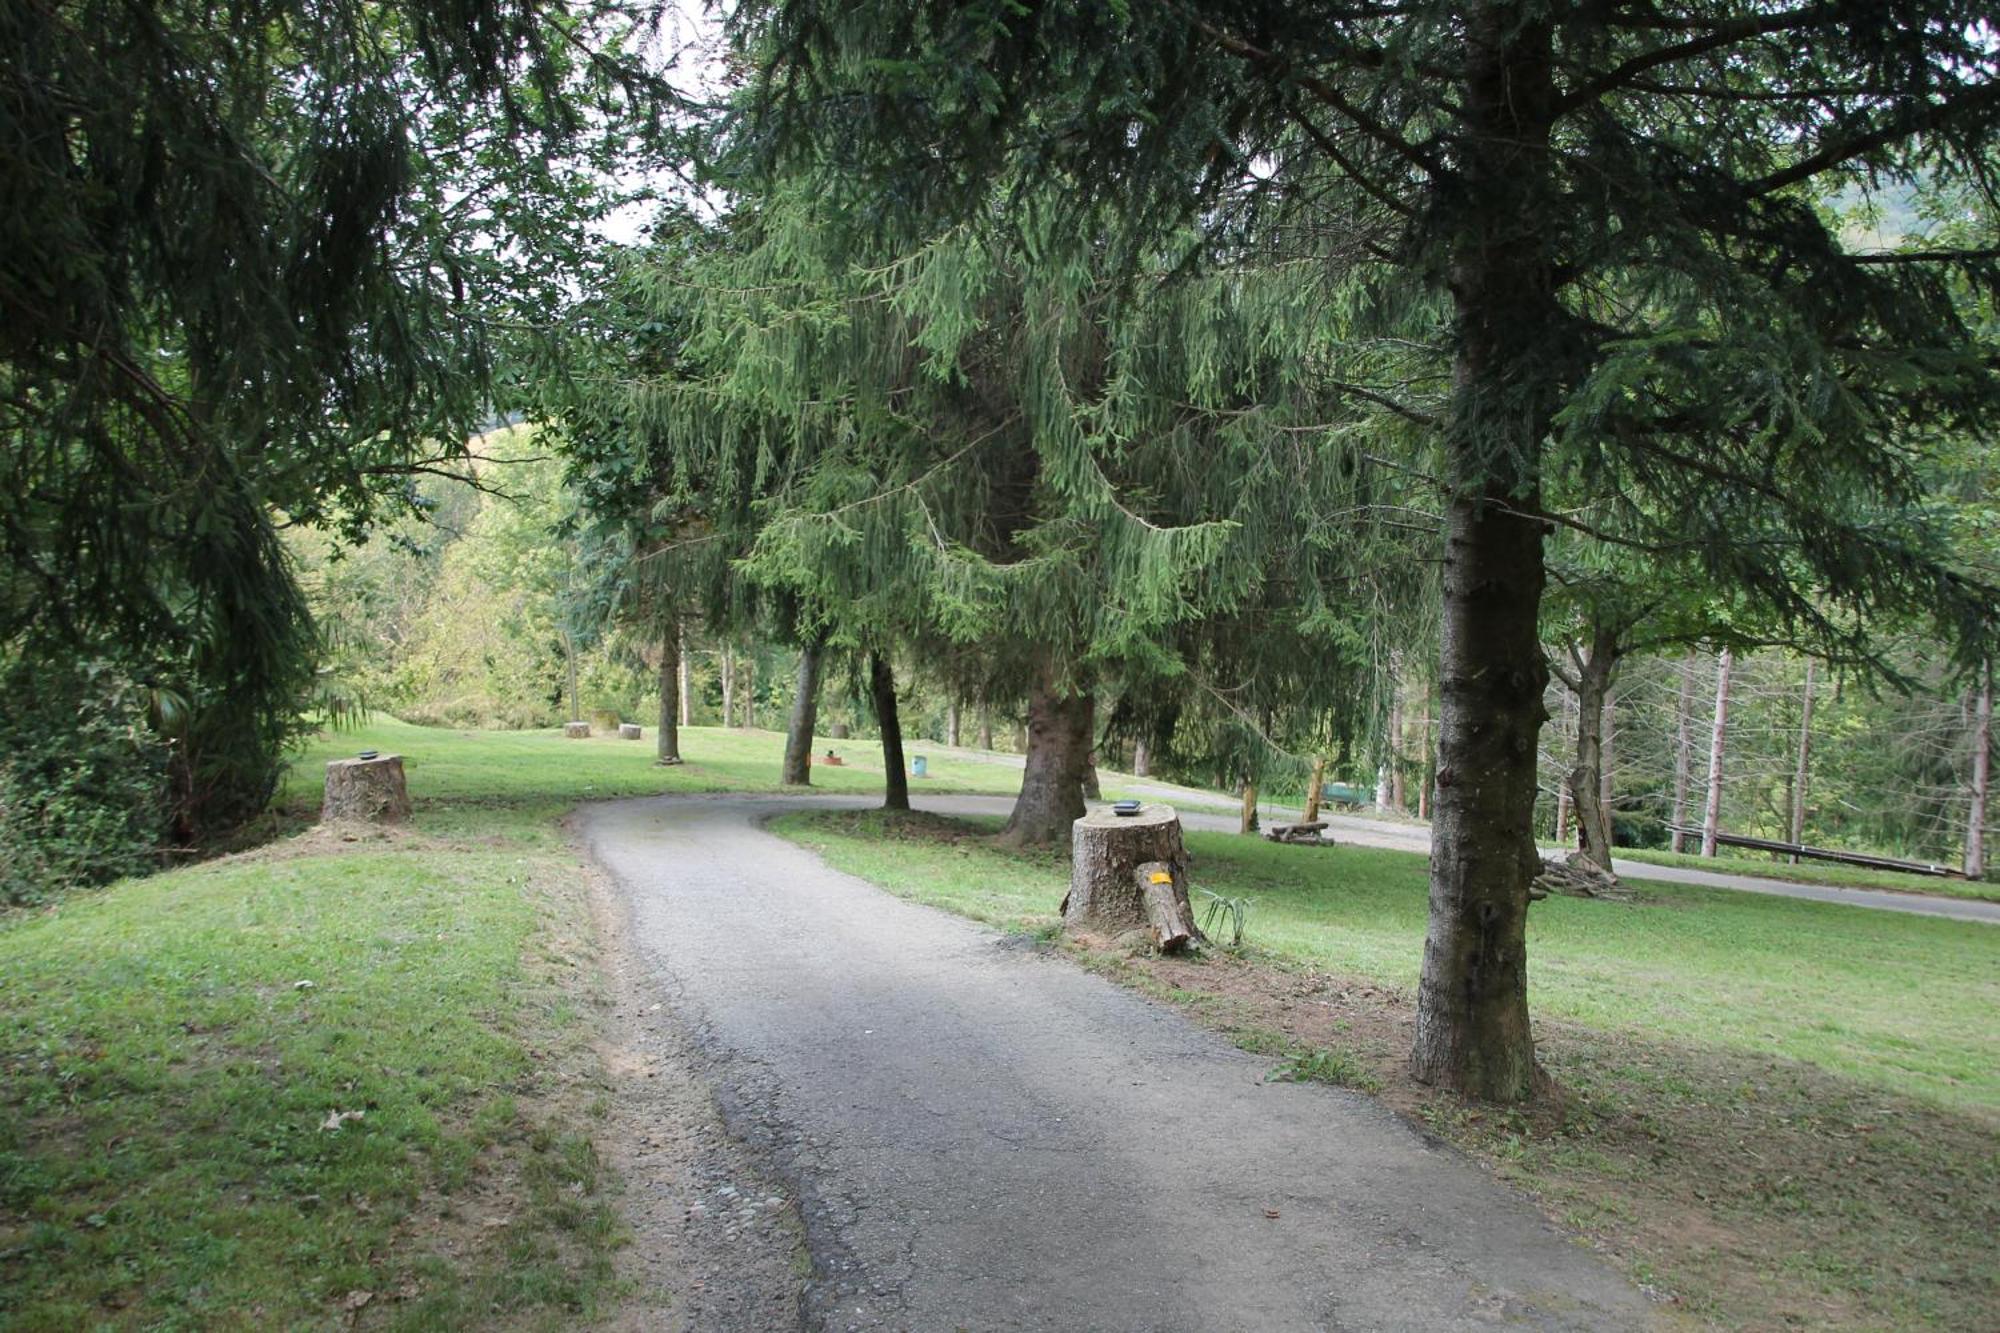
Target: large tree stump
<point>630,731</point>
<point>370,791</point>
<point>1130,873</point>
<point>576,731</point>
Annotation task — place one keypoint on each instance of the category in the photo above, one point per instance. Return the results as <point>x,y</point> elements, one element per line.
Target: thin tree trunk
<point>895,777</point>
<point>728,686</point>
<point>1430,756</point>
<point>1382,787</point>
<point>1683,750</point>
<point>1718,739</point>
<point>985,722</point>
<point>749,692</point>
<point>1093,790</point>
<point>681,659</point>
<point>667,740</point>
<point>569,677</point>
<point>1802,774</point>
<point>1142,759</point>
<point>797,771</point>
<point>1058,746</point>
<point>1564,726</point>
<point>1396,732</point>
<point>1249,820</point>
<point>1982,761</point>
<point>1472,1031</point>
<point>1587,783</point>
<point>1316,789</point>
<point>951,724</point>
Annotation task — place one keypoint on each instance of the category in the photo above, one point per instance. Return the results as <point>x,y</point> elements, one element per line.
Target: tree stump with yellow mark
<point>1130,873</point>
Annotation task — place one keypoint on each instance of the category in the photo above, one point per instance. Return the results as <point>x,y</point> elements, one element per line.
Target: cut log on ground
<point>369,791</point>
<point>1114,861</point>
<point>576,731</point>
<point>1575,878</point>
<point>1306,834</point>
<point>630,731</point>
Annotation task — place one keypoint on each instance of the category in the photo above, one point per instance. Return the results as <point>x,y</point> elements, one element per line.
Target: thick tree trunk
<point>1142,759</point>
<point>667,740</point>
<point>1982,761</point>
<point>1587,783</point>
<point>1802,773</point>
<point>1683,750</point>
<point>1472,1031</point>
<point>895,775</point>
<point>1315,789</point>
<point>1129,873</point>
<point>681,667</point>
<point>1718,740</point>
<point>797,771</point>
<point>1051,799</point>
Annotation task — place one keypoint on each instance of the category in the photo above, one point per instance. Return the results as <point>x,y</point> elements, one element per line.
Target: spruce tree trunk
<point>1430,757</point>
<point>1587,782</point>
<point>1802,774</point>
<point>1142,759</point>
<point>882,690</point>
<point>1683,751</point>
<point>1249,820</point>
<point>1718,739</point>
<point>1093,790</point>
<point>1315,789</point>
<point>805,712</point>
<point>667,740</point>
<point>1508,374</point>
<point>1982,768</point>
<point>1059,733</point>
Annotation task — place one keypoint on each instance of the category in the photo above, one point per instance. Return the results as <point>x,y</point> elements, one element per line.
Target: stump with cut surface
<point>368,791</point>
<point>577,731</point>
<point>1130,873</point>
<point>630,731</point>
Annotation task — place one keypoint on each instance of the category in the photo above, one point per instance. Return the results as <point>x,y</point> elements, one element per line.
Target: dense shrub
<point>83,781</point>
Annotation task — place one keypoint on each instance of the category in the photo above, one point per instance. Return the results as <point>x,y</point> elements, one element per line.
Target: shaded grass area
<point>1786,1113</point>
<point>171,1048</point>
<point>1818,872</point>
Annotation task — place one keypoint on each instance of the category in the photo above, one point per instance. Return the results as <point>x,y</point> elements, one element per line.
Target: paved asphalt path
<point>984,1136</point>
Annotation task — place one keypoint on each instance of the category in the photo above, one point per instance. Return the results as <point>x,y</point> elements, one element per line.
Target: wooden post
<point>369,790</point>
<point>1711,819</point>
<point>1115,882</point>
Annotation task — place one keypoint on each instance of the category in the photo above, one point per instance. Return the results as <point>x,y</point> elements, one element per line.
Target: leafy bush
<point>82,781</point>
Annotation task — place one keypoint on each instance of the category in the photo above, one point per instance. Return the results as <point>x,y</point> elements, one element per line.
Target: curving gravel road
<point>984,1136</point>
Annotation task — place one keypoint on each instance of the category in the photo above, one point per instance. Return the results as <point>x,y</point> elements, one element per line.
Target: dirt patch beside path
<point>1751,1191</point>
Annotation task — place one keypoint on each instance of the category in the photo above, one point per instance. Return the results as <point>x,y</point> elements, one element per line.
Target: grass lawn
<point>172,1048</point>
<point>1819,872</point>
<point>1785,1111</point>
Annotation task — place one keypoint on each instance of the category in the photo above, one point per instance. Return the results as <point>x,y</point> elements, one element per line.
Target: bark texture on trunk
<point>1508,373</point>
<point>681,666</point>
<point>985,724</point>
<point>1802,774</point>
<point>1588,781</point>
<point>569,678</point>
<point>1093,790</point>
<point>895,774</point>
<point>369,791</point>
<point>1982,769</point>
<point>1249,823</point>
<point>1315,789</point>
<point>797,770</point>
<point>1059,733</point>
<point>728,686</point>
<point>1142,759</point>
<point>951,725</point>
<point>1107,894</point>
<point>1683,750</point>
<point>1718,742</point>
<point>1396,732</point>
<point>673,699</point>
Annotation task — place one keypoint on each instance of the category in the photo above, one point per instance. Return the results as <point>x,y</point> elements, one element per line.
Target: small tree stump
<point>630,731</point>
<point>370,791</point>
<point>576,731</point>
<point>1130,872</point>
